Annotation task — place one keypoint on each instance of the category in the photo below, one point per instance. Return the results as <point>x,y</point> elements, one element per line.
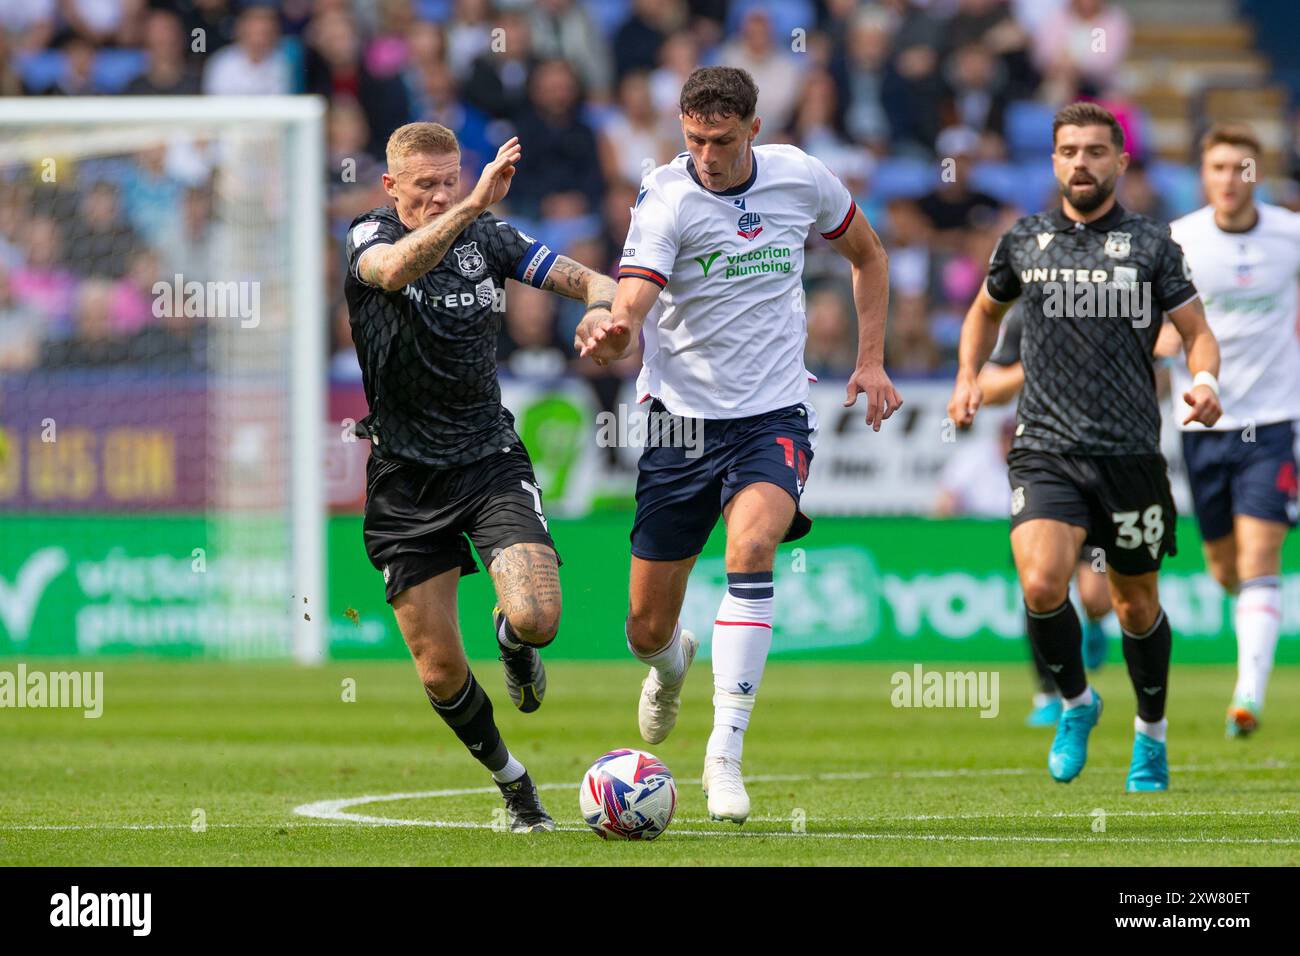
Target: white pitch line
<point>337,810</point>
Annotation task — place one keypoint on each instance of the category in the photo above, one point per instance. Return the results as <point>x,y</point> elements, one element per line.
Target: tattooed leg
<point>527,579</point>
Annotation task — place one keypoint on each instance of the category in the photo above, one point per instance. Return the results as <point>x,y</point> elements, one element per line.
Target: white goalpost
<point>162,308</point>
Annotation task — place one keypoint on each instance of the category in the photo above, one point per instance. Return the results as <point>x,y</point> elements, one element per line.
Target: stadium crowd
<point>936,114</point>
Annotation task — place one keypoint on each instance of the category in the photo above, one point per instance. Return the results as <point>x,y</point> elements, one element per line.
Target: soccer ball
<point>628,795</point>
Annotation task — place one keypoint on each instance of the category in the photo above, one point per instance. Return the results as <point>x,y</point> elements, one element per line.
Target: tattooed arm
<point>576,281</point>
<point>392,266</point>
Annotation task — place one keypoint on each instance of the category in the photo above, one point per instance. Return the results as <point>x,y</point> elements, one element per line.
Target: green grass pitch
<point>241,747</point>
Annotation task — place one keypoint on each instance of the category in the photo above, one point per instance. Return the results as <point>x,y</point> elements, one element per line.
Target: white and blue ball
<point>628,795</point>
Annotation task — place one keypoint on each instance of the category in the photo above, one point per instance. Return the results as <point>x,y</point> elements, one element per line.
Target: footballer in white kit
<point>712,275</point>
<point>1245,256</point>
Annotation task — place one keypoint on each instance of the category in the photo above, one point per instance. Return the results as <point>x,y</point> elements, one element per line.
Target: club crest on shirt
<point>469,260</point>
<point>749,225</point>
<point>1118,244</point>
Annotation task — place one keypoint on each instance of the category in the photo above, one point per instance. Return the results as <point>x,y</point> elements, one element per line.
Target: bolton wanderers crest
<point>749,226</point>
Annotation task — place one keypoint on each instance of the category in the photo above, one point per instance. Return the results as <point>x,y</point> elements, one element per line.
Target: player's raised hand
<point>494,182</point>
<point>1204,404</point>
<point>965,402</point>
<point>882,398</point>
<point>602,337</point>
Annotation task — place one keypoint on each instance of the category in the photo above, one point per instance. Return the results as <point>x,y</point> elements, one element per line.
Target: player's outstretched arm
<point>862,247</point>
<point>1202,361</point>
<point>575,281</point>
<point>390,267</point>
<point>608,336</point>
<point>999,384</point>
<point>979,333</point>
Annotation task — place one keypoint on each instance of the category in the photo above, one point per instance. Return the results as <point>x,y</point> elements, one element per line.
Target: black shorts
<point>1231,476</point>
<point>681,492</point>
<point>417,517</point>
<point>1123,502</point>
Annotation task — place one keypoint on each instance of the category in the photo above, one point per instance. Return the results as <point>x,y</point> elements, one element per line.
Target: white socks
<point>1155,731</point>
<point>742,637</point>
<point>1257,618</point>
<point>511,772</point>
<point>669,661</point>
<point>1083,700</point>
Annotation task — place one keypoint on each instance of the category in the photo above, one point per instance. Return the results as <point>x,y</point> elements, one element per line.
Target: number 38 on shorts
<point>1123,502</point>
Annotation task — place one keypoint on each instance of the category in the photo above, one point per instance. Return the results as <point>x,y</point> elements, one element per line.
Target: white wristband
<point>1208,380</point>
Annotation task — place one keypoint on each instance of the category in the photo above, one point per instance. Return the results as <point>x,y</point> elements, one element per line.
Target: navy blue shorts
<point>1230,476</point>
<point>680,494</point>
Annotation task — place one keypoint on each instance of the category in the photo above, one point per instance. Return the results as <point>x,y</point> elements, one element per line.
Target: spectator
<point>253,64</point>
<point>443,104</point>
<point>1081,48</point>
<point>389,53</point>
<point>908,239</point>
<point>352,175</point>
<point>954,206</point>
<point>914,89</point>
<point>991,25</point>
<point>909,347</point>
<point>633,141</point>
<point>76,78</point>
<point>562,29</point>
<point>93,343</point>
<point>498,82</point>
<point>773,68</point>
<point>196,238</point>
<point>563,180</point>
<point>979,99</point>
<point>29,23</point>
<point>642,35</point>
<point>678,58</point>
<point>816,129</point>
<point>168,73</point>
<point>210,25</point>
<point>133,295</point>
<point>530,346</point>
<point>150,194</point>
<point>21,328</point>
<point>832,340</point>
<point>469,35</point>
<point>104,242</point>
<point>1137,193</point>
<point>11,84</point>
<point>41,282</point>
<point>335,69</point>
<point>861,73</point>
<point>104,22</point>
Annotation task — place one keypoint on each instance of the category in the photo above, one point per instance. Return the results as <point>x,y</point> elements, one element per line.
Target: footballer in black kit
<point>1085,464</point>
<point>425,289</point>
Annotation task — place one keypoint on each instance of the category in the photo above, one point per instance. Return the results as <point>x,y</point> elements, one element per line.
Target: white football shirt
<point>1247,281</point>
<point>726,337</point>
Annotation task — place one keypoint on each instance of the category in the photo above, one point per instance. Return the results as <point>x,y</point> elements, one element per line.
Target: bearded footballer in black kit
<point>424,290</point>
<point>1085,463</point>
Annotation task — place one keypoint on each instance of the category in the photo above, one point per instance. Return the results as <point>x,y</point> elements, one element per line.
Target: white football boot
<point>725,790</point>
<point>656,713</point>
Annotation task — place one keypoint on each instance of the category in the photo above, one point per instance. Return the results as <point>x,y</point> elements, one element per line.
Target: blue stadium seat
<point>608,15</point>
<point>1029,129</point>
<point>1002,181</point>
<point>112,71</point>
<point>1179,185</point>
<point>908,178</point>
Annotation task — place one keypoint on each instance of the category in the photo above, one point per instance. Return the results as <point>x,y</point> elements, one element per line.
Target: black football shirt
<point>428,351</point>
<point>1089,372</point>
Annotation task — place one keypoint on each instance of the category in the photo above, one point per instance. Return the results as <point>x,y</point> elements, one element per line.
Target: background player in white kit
<point>714,261</point>
<point>1245,257</point>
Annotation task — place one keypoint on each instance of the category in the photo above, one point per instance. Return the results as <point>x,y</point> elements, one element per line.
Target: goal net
<point>162,381</point>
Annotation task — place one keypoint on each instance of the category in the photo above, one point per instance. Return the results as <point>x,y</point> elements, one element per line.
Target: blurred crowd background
<point>890,94</point>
